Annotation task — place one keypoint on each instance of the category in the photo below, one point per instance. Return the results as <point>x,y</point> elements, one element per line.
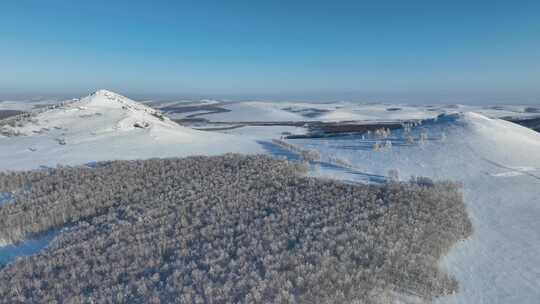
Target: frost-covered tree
<point>228,229</point>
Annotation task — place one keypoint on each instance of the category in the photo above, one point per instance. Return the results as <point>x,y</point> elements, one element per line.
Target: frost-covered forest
<point>227,229</point>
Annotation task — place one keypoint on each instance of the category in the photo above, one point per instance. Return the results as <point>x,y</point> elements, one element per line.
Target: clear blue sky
<point>273,49</point>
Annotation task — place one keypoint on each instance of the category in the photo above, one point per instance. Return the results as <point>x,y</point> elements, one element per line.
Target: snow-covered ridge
<point>503,137</point>
<point>126,114</point>
<point>105,126</point>
<point>108,99</point>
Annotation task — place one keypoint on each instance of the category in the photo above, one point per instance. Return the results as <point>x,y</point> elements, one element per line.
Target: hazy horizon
<point>521,97</point>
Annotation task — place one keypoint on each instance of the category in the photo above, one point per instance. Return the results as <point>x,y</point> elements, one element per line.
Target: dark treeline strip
<point>229,229</point>
<point>531,123</point>
<point>8,113</point>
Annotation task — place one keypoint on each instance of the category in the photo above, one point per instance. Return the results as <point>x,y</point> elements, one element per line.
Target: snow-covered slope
<point>106,126</point>
<point>254,111</point>
<point>501,263</point>
<point>498,163</point>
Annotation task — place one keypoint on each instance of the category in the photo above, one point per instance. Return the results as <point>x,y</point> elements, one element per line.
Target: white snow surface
<point>103,126</point>
<point>498,163</point>
<point>26,105</point>
<point>254,111</point>
<point>345,111</point>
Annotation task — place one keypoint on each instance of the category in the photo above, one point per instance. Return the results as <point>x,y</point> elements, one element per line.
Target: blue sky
<point>320,50</point>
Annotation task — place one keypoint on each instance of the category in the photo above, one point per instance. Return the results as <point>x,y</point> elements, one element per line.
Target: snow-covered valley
<point>497,162</point>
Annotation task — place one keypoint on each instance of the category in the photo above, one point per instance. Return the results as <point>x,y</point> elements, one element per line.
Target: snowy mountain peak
<point>103,126</point>
<point>101,112</point>
<point>109,99</point>
<point>108,94</point>
<point>105,95</point>
<point>104,92</point>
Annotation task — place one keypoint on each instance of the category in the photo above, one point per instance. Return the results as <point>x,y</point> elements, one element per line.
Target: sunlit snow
<point>497,162</point>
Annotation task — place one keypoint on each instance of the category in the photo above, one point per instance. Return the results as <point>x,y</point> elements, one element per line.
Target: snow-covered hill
<point>498,163</point>
<point>105,126</point>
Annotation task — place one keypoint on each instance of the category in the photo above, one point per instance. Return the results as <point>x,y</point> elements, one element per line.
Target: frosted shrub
<point>443,137</point>
<point>393,175</point>
<point>306,154</point>
<point>423,138</point>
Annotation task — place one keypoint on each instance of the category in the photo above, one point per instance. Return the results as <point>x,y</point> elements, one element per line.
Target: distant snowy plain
<point>497,162</point>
